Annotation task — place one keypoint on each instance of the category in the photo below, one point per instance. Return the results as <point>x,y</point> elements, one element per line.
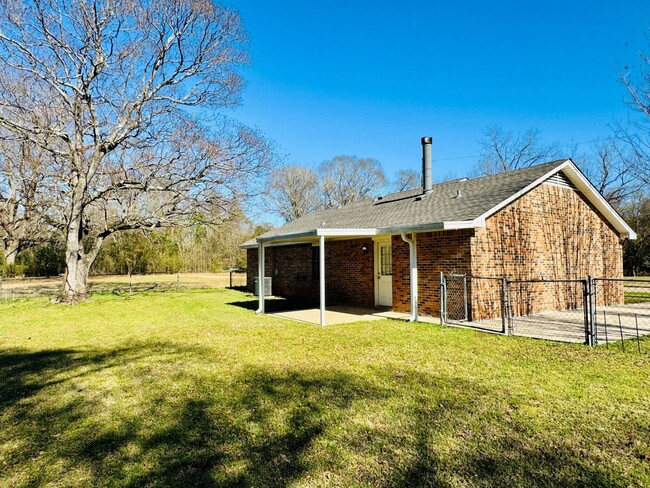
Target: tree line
<point>117,155</point>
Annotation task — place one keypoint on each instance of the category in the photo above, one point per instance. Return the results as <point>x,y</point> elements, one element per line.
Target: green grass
<point>193,389</point>
<point>637,297</point>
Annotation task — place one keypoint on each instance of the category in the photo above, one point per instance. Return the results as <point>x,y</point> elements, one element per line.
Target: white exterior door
<point>383,273</point>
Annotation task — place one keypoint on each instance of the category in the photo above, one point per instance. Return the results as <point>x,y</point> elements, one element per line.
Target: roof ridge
<point>468,178</point>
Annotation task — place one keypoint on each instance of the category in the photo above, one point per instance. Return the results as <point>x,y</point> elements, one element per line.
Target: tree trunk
<point>78,261</point>
<point>10,252</point>
<point>75,284</point>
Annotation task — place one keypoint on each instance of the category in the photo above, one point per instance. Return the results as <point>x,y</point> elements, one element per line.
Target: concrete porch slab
<point>342,314</point>
<point>333,315</point>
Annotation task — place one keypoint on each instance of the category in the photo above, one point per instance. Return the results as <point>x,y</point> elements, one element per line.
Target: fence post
<point>443,299</point>
<point>504,307</point>
<point>593,331</point>
<point>231,278</point>
<point>511,324</point>
<point>586,313</point>
<point>465,298</point>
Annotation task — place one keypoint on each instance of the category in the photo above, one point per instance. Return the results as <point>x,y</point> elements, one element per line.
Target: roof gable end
<point>580,183</point>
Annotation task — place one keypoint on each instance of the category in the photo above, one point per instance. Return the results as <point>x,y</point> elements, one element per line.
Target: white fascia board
<point>318,233</point>
<point>346,232</point>
<point>584,185</point>
<point>249,246</point>
<point>462,224</point>
<point>478,222</point>
<point>282,243</point>
<point>432,227</point>
<point>284,237</point>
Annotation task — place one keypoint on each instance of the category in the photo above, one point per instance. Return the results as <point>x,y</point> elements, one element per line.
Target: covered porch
<point>351,276</point>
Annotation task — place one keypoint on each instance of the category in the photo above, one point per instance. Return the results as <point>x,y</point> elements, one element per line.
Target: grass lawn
<point>637,297</point>
<point>193,389</point>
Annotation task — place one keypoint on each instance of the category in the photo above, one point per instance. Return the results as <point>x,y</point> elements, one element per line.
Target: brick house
<point>541,222</point>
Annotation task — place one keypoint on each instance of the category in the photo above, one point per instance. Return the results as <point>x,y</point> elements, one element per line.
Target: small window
<point>386,260</point>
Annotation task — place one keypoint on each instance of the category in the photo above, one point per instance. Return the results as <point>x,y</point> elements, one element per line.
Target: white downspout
<point>322,279</point>
<point>413,261</point>
<point>260,277</point>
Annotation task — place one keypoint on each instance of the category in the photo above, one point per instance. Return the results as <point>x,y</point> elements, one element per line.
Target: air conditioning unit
<point>268,290</point>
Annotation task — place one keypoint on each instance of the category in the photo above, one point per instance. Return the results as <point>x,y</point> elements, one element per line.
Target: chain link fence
<point>549,309</point>
<point>621,313</point>
<point>614,312</point>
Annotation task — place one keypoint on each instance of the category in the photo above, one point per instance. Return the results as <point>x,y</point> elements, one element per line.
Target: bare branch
<point>103,89</point>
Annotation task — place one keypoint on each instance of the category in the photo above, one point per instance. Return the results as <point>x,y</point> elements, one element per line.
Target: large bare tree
<point>111,89</point>
<point>636,134</point>
<point>406,179</point>
<point>503,150</point>
<point>610,166</point>
<point>293,191</point>
<point>346,179</point>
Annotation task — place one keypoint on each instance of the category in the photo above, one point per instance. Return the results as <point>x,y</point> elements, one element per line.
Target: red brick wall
<point>349,272</point>
<point>550,233</point>
<point>291,270</point>
<point>446,251</point>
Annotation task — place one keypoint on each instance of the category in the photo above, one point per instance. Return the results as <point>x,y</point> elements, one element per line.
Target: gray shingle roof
<point>406,209</point>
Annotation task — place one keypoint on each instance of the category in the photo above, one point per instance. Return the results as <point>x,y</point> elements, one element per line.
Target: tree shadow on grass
<point>264,426</point>
<point>506,459</point>
<point>496,447</point>
<point>24,373</point>
<point>253,430</point>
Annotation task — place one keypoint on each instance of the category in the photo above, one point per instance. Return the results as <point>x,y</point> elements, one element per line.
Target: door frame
<point>378,242</point>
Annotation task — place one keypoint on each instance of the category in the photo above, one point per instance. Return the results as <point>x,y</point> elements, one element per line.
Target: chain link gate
<point>545,309</point>
<point>557,310</point>
<point>478,302</point>
<point>453,297</point>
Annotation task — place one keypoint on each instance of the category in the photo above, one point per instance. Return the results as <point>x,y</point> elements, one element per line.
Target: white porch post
<point>413,264</point>
<point>260,277</point>
<point>322,279</point>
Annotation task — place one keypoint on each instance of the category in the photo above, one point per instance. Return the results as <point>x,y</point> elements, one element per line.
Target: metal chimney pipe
<point>427,182</point>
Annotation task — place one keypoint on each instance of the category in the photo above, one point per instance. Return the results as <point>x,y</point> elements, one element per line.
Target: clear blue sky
<point>370,78</point>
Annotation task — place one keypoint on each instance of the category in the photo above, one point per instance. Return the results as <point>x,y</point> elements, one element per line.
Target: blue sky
<point>370,78</point>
